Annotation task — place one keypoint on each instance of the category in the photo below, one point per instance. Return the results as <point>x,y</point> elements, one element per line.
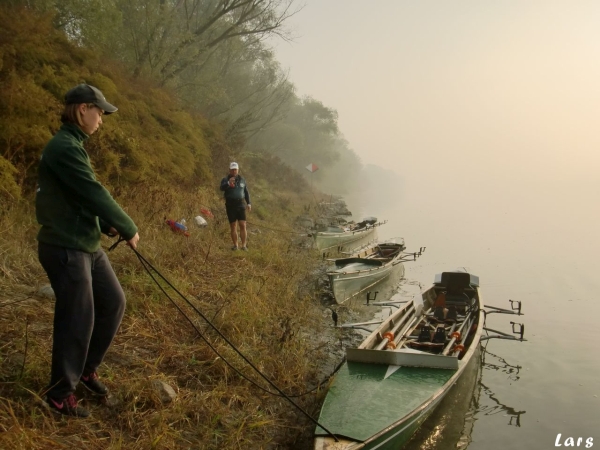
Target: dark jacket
<point>236,193</point>
<point>71,205</point>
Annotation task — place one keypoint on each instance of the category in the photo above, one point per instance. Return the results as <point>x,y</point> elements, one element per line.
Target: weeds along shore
<point>262,300</point>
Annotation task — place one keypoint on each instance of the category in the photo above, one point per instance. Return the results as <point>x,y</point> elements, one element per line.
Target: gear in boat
<point>455,300</point>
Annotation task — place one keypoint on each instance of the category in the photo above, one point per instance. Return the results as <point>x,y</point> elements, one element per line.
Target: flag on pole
<point>312,168</point>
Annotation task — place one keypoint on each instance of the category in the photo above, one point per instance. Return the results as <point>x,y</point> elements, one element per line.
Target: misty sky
<point>488,111</point>
<point>508,91</point>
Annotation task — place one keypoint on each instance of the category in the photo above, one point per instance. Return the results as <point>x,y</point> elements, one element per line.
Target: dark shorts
<point>236,211</point>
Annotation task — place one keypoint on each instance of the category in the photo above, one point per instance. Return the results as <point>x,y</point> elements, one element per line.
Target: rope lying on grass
<point>147,266</point>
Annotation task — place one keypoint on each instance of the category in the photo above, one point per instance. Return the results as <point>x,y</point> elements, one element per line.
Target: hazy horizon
<point>486,111</point>
<point>504,90</point>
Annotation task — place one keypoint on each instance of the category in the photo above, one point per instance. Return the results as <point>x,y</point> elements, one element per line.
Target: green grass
<point>258,299</point>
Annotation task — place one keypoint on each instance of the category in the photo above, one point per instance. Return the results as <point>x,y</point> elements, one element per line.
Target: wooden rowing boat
<point>365,268</point>
<point>333,237</point>
<point>398,375</point>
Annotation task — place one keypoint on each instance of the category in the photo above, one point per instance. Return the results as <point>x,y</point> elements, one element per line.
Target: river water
<point>536,242</point>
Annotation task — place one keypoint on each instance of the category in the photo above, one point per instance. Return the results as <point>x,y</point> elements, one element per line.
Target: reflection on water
<point>499,364</point>
<point>511,370</point>
<point>451,425</point>
<point>531,240</point>
<point>446,425</point>
<point>513,414</point>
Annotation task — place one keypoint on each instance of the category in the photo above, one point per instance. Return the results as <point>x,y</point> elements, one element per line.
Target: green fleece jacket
<point>71,205</point>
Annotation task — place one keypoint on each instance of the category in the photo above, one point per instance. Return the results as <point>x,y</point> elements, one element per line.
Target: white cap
<point>233,165</point>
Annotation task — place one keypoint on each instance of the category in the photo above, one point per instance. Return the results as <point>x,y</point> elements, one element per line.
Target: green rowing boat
<point>398,375</point>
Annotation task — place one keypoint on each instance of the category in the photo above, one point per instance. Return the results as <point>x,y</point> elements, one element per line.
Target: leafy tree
<point>89,23</point>
<point>211,55</point>
<point>31,72</point>
<point>211,52</point>
<point>345,176</point>
<point>307,134</point>
<point>151,138</point>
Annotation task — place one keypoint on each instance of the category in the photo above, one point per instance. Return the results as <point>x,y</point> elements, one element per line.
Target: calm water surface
<point>535,244</point>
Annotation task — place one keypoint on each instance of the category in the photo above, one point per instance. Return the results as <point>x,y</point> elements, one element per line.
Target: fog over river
<point>477,125</point>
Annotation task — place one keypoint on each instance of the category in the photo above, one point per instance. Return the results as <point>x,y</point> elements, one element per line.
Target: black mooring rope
<point>147,264</point>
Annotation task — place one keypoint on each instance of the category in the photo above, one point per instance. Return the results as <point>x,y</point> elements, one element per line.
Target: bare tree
<point>169,36</point>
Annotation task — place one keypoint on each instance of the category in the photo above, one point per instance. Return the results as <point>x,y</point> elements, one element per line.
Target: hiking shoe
<point>67,406</point>
<point>245,248</point>
<point>94,385</point>
<point>235,247</point>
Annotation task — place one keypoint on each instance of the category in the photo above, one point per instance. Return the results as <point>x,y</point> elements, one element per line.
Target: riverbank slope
<point>262,300</point>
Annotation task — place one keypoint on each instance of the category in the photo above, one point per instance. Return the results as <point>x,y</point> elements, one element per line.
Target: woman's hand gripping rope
<point>131,242</point>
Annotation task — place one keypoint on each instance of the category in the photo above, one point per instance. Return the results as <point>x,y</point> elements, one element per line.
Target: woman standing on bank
<point>73,209</point>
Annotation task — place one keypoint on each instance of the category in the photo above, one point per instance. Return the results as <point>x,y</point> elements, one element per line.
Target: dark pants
<point>89,307</point>
<point>236,210</point>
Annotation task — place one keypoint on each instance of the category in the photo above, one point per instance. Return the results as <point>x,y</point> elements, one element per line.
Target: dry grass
<point>261,300</point>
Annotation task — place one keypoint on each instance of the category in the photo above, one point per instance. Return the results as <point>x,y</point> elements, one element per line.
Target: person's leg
<point>241,218</point>
<point>234,235</point>
<point>231,216</point>
<point>69,272</point>
<point>109,307</point>
<point>243,233</point>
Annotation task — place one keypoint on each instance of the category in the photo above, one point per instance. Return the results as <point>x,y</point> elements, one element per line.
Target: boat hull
<point>346,285</point>
<point>369,401</point>
<point>325,240</point>
<point>376,404</point>
<point>365,268</point>
<point>397,436</point>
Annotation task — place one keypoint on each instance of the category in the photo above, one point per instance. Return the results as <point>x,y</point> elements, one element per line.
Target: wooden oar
<point>453,340</point>
<point>410,310</point>
<point>464,339</point>
<point>403,337</point>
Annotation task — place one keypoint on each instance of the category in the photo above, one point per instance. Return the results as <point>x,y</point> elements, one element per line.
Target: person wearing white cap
<point>235,191</point>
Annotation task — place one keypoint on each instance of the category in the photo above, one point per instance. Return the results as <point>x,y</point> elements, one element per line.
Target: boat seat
<point>444,315</point>
<point>367,261</point>
<point>430,346</point>
<point>457,299</point>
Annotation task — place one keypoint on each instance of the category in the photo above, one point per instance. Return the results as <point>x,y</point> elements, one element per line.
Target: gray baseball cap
<point>84,93</point>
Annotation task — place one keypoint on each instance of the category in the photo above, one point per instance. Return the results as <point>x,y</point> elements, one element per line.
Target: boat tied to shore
<point>339,236</point>
<point>366,267</point>
<point>398,375</point>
